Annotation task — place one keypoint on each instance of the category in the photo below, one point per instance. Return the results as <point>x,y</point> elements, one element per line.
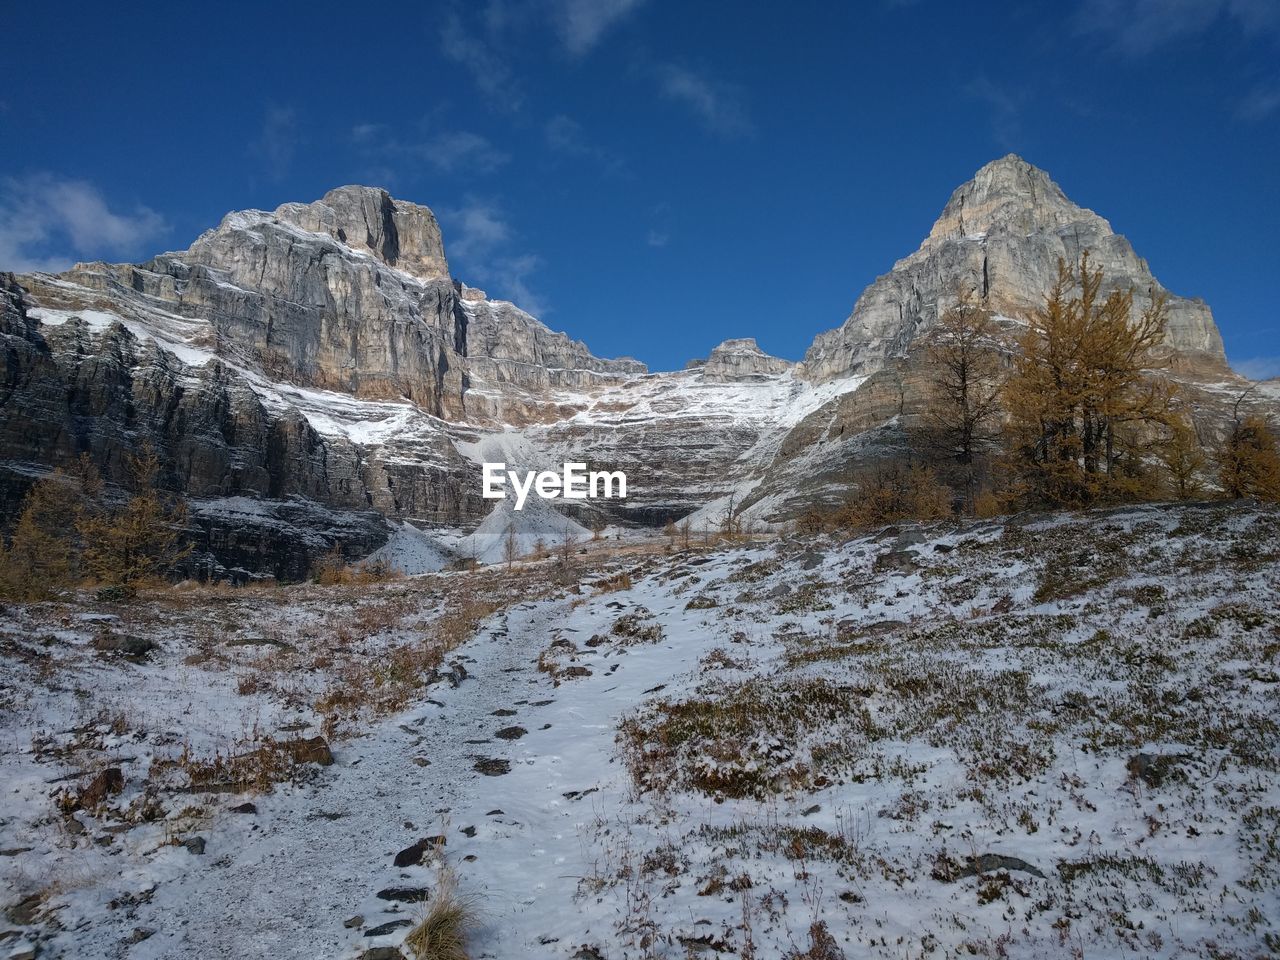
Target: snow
<point>565,850</point>
<point>412,551</point>
<point>175,340</point>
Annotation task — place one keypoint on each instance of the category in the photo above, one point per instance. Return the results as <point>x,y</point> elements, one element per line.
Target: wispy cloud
<point>719,106</point>
<point>46,222</point>
<point>1261,102</point>
<point>480,239</point>
<point>510,275</point>
<point>446,151</point>
<point>659,234</point>
<point>475,51</point>
<point>475,230</point>
<point>565,137</point>
<point>581,24</point>
<point>1139,27</point>
<point>277,142</point>
<point>1258,368</point>
<point>1004,109</point>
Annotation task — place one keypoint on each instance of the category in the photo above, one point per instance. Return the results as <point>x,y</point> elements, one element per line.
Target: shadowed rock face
<point>1000,237</point>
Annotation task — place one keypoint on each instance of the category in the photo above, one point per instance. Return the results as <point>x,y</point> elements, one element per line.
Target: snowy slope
<point>981,741</point>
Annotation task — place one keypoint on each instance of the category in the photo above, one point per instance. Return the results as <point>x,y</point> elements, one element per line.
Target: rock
<point>194,845</point>
<point>391,926</point>
<point>135,648</point>
<point>492,767</point>
<point>412,855</point>
<point>1000,235</point>
<point>404,894</point>
<point>23,912</point>
<point>245,808</point>
<point>780,590</point>
<point>382,953</point>
<point>354,923</point>
<point>947,870</point>
<point>511,733</point>
<point>1155,770</point>
<point>741,359</point>
<point>810,560</point>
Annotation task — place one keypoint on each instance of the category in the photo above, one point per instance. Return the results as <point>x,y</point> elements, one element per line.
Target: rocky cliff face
<point>740,359</point>
<point>1000,237</point>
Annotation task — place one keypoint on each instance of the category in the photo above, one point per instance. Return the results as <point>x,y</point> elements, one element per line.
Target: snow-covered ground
<point>1050,738</point>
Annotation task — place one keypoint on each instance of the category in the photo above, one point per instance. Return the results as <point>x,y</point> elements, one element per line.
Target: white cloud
<point>46,222</point>
<point>476,53</point>
<point>450,151</point>
<point>581,24</point>
<point>510,276</point>
<point>277,142</point>
<point>461,149</point>
<point>1139,27</point>
<point>479,238</point>
<point>719,107</point>
<point>658,238</point>
<point>1258,368</point>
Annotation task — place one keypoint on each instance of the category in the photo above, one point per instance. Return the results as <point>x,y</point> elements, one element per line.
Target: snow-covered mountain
<point>315,374</point>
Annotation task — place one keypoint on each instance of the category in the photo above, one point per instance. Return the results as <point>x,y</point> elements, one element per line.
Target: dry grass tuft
<point>442,933</point>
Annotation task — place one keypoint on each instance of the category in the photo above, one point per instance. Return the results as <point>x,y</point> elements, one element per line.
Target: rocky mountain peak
<point>741,359</point>
<point>1000,237</point>
<point>369,220</point>
<point>1009,195</point>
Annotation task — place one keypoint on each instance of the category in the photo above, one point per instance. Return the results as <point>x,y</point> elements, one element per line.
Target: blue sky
<point>650,176</point>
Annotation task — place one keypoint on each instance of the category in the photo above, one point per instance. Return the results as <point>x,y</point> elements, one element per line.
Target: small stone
<point>412,855</point>
<point>493,766</point>
<point>391,926</point>
<point>194,845</point>
<point>245,808</point>
<point>354,923</point>
<point>404,894</point>
<point>382,953</point>
<point>511,733</point>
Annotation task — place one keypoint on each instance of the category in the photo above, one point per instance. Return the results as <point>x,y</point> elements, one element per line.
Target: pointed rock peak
<point>740,359</point>
<point>1008,195</point>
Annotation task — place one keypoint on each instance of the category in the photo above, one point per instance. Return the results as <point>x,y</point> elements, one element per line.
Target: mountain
<point>1000,237</point>
<point>315,375</point>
